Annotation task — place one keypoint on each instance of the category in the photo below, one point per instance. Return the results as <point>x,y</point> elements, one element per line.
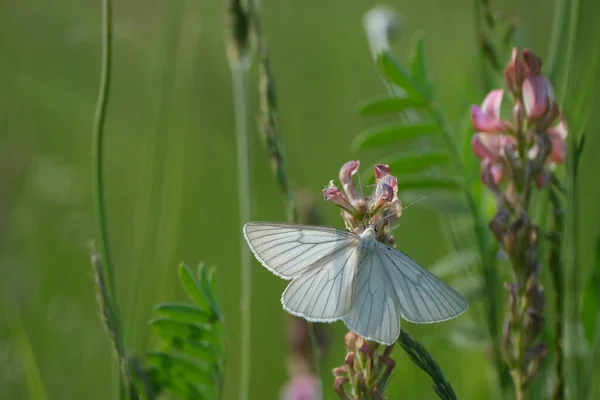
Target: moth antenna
<point>402,209</point>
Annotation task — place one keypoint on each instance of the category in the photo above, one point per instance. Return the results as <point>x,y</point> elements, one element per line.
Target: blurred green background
<point>171,171</point>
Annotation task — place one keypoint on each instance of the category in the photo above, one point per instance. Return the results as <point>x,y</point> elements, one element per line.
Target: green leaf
<point>388,104</point>
<point>193,287</point>
<point>206,276</point>
<point>415,161</point>
<point>185,313</point>
<point>179,368</point>
<point>202,351</point>
<point>392,133</point>
<point>172,331</point>
<point>396,73</point>
<point>418,65</point>
<point>429,183</point>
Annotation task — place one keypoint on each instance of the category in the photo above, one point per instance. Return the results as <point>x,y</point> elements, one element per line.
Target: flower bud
<point>336,196</point>
<point>515,72</point>
<point>338,387</point>
<point>533,62</point>
<point>382,170</point>
<point>347,173</point>
<point>538,97</point>
<point>350,340</point>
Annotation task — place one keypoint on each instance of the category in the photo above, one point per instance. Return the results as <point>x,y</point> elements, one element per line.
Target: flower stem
<point>98,190</point>
<point>240,88</point>
<point>239,64</point>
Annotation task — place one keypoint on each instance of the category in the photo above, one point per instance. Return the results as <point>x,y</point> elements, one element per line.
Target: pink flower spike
<point>537,96</point>
<point>381,170</point>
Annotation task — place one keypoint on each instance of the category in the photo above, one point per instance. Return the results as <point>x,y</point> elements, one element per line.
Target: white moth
<point>341,275</point>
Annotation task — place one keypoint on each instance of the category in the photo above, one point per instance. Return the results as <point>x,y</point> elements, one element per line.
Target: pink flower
<point>491,171</point>
<point>347,173</point>
<point>487,117</point>
<point>558,136</point>
<point>381,170</point>
<point>302,387</point>
<point>490,146</point>
<point>521,68</point>
<point>336,196</point>
<point>538,97</point>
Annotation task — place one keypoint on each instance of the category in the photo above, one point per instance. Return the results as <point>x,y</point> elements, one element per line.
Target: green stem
<point>98,188</point>
<point>239,62</point>
<point>240,90</point>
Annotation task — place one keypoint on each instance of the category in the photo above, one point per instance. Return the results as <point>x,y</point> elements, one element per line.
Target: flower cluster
<point>367,366</point>
<point>515,157</point>
<point>534,140</point>
<point>366,372</point>
<point>382,208</point>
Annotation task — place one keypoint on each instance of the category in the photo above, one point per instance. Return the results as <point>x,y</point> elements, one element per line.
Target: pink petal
<point>558,154</point>
<point>336,196</point>
<point>479,148</point>
<point>346,178</point>
<point>492,102</point>
<point>533,62</point>
<point>483,122</point>
<point>537,96</point>
<point>382,170</point>
<point>492,170</point>
<point>559,130</point>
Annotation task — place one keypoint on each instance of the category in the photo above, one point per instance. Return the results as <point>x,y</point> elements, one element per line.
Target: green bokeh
<point>171,170</point>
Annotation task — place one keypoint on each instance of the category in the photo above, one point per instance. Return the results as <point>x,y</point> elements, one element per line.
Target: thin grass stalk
<point>239,63</point>
<point>98,187</point>
<point>555,267</point>
<point>240,89</point>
